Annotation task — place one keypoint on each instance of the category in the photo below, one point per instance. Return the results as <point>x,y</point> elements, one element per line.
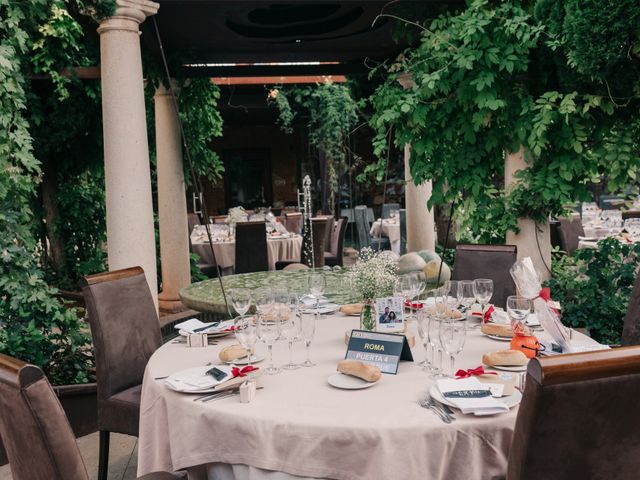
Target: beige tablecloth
<point>391,230</point>
<point>278,249</point>
<point>301,426</point>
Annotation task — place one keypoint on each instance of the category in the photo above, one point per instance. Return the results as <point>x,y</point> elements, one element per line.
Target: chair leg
<point>103,460</point>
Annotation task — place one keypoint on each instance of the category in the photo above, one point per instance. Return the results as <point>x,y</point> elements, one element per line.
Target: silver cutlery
<point>444,407</point>
<point>428,403</point>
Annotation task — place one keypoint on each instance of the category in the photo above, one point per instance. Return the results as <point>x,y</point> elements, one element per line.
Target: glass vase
<point>368,315</point>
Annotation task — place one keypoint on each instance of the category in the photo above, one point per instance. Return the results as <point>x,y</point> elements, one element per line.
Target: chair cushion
<point>121,412</point>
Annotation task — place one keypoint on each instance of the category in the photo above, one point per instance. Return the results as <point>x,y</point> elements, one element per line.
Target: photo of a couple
<point>388,316</point>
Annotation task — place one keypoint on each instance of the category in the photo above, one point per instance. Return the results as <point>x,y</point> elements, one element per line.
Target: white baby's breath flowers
<point>374,274</point>
<point>236,214</point>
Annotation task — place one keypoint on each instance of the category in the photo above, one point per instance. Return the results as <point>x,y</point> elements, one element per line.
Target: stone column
<point>172,204</point>
<point>420,221</point>
<point>130,230</point>
<point>533,240</point>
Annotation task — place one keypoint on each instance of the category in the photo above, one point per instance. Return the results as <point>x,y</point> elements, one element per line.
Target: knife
<point>468,394</point>
<point>214,324</point>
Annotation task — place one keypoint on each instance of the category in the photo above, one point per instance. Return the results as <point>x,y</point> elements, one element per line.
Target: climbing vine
<point>479,87</point>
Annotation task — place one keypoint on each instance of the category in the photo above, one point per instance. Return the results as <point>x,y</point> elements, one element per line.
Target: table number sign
<point>383,350</point>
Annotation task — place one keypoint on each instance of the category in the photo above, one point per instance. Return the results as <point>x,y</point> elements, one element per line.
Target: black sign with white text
<point>383,350</point>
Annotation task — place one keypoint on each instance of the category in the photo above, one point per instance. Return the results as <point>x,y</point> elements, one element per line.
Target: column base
<point>170,305</point>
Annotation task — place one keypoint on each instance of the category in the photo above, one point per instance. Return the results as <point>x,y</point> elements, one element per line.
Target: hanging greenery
<point>479,87</point>
<point>331,114</point>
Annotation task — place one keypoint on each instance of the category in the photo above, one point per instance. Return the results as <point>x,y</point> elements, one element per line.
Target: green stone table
<point>207,296</point>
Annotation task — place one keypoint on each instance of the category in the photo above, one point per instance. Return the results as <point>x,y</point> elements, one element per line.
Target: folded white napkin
<point>193,324</point>
<point>476,406</point>
<point>197,379</point>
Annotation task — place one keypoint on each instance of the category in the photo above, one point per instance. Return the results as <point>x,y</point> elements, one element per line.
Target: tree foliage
<point>480,88</point>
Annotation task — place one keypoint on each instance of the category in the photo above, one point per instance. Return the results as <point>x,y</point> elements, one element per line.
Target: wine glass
<point>241,300</point>
<point>247,335</point>
<point>482,291</point>
<point>269,332</point>
<point>453,300</point>
<point>467,296</point>
<point>422,325</point>
<point>433,332</point>
<point>317,285</point>
<point>290,330</point>
<point>419,284</point>
<point>452,337</point>
<point>307,329</point>
<point>264,300</point>
<point>518,309</point>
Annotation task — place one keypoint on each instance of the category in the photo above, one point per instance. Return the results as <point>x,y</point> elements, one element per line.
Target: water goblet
<point>433,332</point>
<point>452,335</point>
<point>241,300</point>
<point>246,333</point>
<point>264,299</point>
<point>482,291</point>
<point>518,309</point>
<point>467,296</point>
<point>290,329</point>
<point>307,329</point>
<point>269,332</point>
<point>422,325</point>
<point>317,286</point>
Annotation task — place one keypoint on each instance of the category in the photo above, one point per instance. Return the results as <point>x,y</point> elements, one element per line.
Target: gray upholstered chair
<point>387,208</point>
<point>363,227</point>
<point>569,232</point>
<point>487,261</point>
<point>293,222</point>
<point>34,428</point>
<point>335,256</point>
<point>579,418</point>
<point>126,332</point>
<point>251,247</point>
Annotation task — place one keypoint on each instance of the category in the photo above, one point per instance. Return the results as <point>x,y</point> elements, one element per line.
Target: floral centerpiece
<point>374,275</point>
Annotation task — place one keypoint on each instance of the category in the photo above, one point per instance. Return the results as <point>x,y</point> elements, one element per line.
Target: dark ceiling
<point>225,31</point>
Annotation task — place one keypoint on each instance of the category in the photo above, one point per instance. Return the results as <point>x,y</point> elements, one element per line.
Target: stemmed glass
<point>264,300</point>
<point>518,309</point>
<point>453,294</point>
<point>290,329</point>
<point>433,330</point>
<point>241,300</point>
<point>466,294</point>
<point>422,324</point>
<point>418,284</point>
<point>269,332</point>
<point>308,329</point>
<point>247,334</point>
<point>317,286</point>
<point>452,337</point>
<point>482,291</point>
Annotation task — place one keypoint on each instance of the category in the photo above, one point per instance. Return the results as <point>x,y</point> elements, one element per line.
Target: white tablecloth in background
<point>278,249</point>
<point>390,229</point>
<point>301,426</point>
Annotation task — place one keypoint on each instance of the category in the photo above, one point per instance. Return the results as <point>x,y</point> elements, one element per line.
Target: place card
<point>383,350</point>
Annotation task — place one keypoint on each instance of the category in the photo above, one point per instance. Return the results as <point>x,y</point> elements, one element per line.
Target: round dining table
<point>389,228</point>
<point>300,426</point>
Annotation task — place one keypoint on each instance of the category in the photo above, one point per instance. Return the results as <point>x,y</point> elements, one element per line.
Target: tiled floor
<point>123,457</point>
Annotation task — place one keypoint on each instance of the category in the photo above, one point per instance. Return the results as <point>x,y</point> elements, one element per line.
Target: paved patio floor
<point>123,457</point>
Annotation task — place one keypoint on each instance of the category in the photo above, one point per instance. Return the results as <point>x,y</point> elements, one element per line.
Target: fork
<point>427,402</point>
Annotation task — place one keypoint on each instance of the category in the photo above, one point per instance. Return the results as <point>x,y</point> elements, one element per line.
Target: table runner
<point>301,426</point>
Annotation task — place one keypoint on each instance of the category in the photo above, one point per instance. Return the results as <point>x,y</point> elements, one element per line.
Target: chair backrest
<point>319,226</point>
<point>487,261</point>
<point>337,239</point>
<point>124,326</point>
<point>579,418</point>
<point>630,214</point>
<point>362,226</point>
<point>387,208</point>
<point>251,247</point>
<point>631,329</point>
<point>192,219</point>
<point>328,231</point>
<point>569,232</point>
<point>34,429</point>
<point>403,231</point>
<point>293,222</point>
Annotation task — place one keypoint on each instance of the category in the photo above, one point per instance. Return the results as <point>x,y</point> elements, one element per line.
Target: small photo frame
<point>390,314</point>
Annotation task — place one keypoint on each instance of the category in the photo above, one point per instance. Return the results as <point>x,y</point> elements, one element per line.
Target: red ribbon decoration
<point>486,317</point>
<point>545,294</point>
<point>236,372</point>
<point>473,372</point>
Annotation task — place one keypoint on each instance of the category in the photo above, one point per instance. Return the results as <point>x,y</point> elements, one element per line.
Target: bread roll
<point>351,309</point>
<point>232,352</point>
<point>497,329</point>
<point>368,373</point>
<point>505,358</point>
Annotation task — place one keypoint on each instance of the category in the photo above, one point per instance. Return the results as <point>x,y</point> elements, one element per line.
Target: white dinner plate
<point>497,337</point>
<point>510,400</point>
<point>348,382</point>
<point>514,368</point>
<point>255,358</point>
<point>173,384</point>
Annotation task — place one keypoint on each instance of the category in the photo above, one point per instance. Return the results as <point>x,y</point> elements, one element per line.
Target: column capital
<point>129,15</point>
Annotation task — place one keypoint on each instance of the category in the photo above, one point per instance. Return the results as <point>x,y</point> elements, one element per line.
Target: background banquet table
<point>388,228</point>
<point>206,296</point>
<point>300,426</point>
<point>278,249</point>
